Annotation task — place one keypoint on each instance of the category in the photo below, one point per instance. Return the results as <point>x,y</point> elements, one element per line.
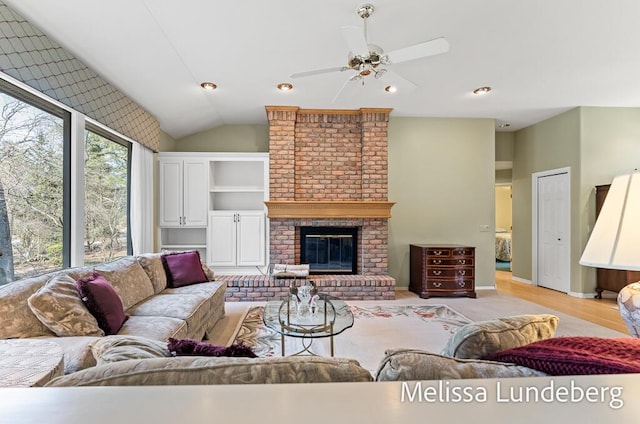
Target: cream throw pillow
<point>58,306</point>
<point>479,339</point>
<point>117,348</point>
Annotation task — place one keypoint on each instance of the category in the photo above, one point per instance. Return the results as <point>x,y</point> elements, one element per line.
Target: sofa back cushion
<point>129,280</point>
<point>415,364</point>
<point>152,265</point>
<point>58,306</point>
<point>17,318</point>
<point>197,370</point>
<point>482,338</point>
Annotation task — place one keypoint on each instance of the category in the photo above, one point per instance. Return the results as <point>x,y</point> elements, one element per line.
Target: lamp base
<point>629,306</point>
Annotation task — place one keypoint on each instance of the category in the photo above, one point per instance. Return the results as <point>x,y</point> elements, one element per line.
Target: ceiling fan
<point>369,59</point>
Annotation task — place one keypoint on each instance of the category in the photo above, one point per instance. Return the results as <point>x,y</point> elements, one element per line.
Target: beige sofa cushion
<point>152,265</point>
<point>192,309</point>
<point>156,328</point>
<point>187,370</point>
<point>17,318</point>
<point>121,348</point>
<point>58,306</point>
<point>479,339</point>
<point>129,280</point>
<point>413,364</point>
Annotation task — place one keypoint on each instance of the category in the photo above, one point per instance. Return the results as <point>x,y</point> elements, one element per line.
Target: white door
<point>222,239</point>
<point>170,193</point>
<point>195,194</point>
<point>251,238</point>
<point>553,232</point>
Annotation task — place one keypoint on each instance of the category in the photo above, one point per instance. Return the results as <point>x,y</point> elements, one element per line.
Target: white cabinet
<point>236,239</point>
<point>214,202</point>
<point>182,198</point>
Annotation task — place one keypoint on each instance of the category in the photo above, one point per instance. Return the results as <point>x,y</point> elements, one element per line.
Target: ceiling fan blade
<point>428,48</point>
<point>318,72</point>
<point>348,86</point>
<point>356,41</point>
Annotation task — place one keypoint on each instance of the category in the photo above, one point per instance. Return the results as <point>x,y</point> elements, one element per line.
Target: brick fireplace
<point>328,168</point>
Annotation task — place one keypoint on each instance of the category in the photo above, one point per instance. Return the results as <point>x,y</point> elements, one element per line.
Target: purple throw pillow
<point>103,302</point>
<point>189,347</point>
<point>183,268</point>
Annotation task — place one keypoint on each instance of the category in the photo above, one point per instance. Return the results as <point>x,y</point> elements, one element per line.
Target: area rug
<point>375,329</point>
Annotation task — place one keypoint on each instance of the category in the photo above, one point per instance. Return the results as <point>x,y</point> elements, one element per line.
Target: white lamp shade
<point>615,240</point>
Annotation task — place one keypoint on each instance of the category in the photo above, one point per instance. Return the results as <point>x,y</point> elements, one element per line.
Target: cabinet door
<point>170,193</point>
<point>222,239</point>
<point>195,193</point>
<point>251,238</point>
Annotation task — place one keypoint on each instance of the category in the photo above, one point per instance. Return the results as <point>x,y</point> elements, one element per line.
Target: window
<point>34,178</point>
<point>38,197</point>
<point>106,202</point>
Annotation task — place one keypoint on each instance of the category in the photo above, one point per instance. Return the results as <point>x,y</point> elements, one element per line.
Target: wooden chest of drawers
<point>442,270</point>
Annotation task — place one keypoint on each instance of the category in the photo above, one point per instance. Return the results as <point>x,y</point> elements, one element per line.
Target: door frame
<point>534,222</point>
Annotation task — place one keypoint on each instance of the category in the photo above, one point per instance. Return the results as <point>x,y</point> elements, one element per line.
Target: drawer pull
<point>437,272</point>
<point>462,261</point>
<point>437,252</point>
<point>437,261</point>
<point>462,271</point>
<point>462,283</point>
<point>437,284</point>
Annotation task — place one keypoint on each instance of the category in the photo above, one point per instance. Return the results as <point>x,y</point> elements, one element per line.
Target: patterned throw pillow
<point>103,302</point>
<point>58,306</point>
<point>482,338</point>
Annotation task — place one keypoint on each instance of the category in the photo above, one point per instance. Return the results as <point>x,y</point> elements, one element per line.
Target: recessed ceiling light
<point>505,125</point>
<point>285,86</point>
<point>391,89</point>
<point>482,90</point>
<point>208,85</point>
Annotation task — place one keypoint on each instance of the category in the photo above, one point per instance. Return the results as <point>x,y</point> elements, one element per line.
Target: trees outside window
<point>106,199</point>
<point>31,190</point>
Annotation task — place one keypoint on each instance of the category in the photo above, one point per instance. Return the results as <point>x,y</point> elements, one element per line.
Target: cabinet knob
<point>437,252</point>
<point>462,283</point>
<point>437,261</point>
<point>462,261</point>
<point>436,284</point>
<point>437,272</point>
<point>462,272</point>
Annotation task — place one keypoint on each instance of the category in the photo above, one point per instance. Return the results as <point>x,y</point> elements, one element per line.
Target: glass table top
<point>331,316</point>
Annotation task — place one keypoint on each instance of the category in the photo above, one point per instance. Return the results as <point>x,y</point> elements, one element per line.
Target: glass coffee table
<point>330,317</point>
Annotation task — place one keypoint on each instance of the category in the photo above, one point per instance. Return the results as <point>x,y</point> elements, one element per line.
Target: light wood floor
<point>603,312</point>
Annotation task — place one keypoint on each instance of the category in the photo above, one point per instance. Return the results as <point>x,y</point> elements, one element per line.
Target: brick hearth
<point>326,156</point>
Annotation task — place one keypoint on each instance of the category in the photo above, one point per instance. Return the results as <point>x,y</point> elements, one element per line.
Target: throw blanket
<point>576,355</point>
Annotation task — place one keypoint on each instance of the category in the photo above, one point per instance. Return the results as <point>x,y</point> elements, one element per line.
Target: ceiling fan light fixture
<point>285,86</point>
<point>482,90</point>
<point>391,89</point>
<point>208,85</point>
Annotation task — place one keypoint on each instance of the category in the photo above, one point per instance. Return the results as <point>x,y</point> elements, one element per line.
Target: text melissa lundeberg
<point>448,391</point>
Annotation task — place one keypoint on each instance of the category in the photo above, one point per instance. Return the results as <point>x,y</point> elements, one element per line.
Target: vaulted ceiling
<point>540,57</point>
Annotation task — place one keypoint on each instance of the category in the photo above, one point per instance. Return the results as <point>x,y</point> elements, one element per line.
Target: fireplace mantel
<point>328,209</point>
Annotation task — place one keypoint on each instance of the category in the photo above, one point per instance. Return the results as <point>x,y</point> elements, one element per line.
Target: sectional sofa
<point>49,306</point>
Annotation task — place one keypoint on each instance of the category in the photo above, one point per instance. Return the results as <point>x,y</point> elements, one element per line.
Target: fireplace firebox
<point>329,250</point>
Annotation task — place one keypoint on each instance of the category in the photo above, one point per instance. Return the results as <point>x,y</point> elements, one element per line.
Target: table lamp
<point>615,242</point>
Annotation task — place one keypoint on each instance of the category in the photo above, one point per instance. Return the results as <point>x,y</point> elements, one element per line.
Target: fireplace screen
<point>329,250</point>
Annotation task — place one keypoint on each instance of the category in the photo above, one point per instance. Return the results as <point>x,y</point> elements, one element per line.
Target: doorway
<point>503,253</point>
<point>551,225</point>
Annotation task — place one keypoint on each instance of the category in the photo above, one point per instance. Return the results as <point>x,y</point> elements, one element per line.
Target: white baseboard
<point>521,280</point>
<point>605,295</point>
<point>493,287</point>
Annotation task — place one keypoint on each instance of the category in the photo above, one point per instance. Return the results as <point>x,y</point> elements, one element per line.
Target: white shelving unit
<point>231,191</point>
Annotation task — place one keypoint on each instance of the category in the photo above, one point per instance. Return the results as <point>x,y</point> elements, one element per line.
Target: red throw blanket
<point>576,355</point>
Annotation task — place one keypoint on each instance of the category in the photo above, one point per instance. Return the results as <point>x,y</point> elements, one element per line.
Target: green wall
<point>441,174</point>
<point>551,144</point>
